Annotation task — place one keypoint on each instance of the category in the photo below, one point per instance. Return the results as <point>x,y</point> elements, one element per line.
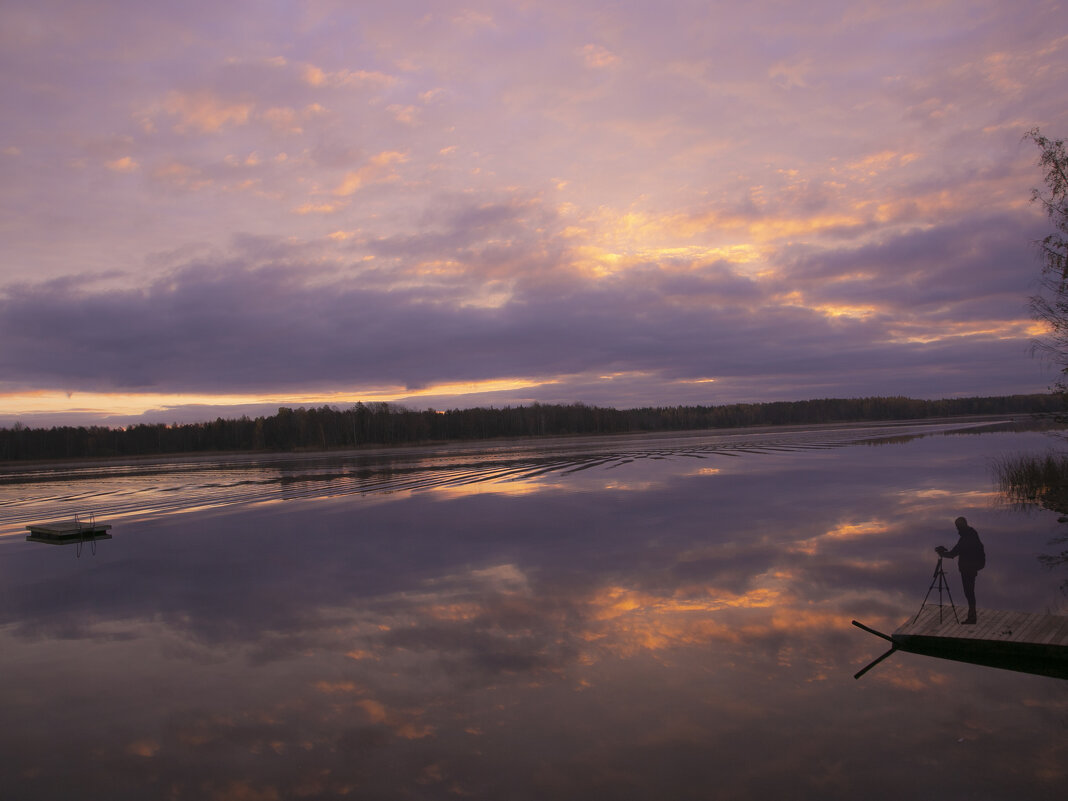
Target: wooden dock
<point>68,531</point>
<point>1010,640</point>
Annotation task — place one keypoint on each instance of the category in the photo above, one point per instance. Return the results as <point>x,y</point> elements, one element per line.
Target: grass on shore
<point>1034,479</point>
<point>1042,480</point>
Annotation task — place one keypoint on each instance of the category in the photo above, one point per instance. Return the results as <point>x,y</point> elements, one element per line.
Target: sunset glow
<point>498,202</point>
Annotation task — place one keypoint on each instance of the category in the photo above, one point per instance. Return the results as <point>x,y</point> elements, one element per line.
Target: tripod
<point>939,578</point>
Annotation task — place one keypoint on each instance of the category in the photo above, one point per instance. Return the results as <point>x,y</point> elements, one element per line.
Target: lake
<point>641,617</point>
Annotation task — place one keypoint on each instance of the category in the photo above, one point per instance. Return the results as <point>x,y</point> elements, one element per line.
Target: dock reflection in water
<point>660,622</point>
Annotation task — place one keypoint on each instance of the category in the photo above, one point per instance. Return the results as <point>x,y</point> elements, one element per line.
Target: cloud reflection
<point>561,643</point>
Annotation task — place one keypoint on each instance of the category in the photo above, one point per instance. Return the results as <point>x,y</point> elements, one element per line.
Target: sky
<point>214,209</point>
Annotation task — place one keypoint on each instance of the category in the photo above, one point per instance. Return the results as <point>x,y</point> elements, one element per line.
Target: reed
<point>1029,478</point>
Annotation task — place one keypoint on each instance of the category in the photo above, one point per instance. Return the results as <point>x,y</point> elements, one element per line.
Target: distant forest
<point>327,428</point>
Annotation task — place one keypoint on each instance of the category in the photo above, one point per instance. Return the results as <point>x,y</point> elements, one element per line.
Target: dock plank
<point>1020,630</point>
<point>1056,633</point>
<point>1012,640</point>
<point>1033,630</point>
<point>994,626</point>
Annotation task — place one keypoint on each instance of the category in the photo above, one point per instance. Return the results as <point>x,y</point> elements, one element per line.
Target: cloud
<point>178,175</point>
<point>923,272</point>
<point>379,168</point>
<point>598,57</point>
<point>316,208</point>
<point>284,119</point>
<point>205,112</point>
<point>272,316</point>
<point>659,197</point>
<point>317,77</point>
<point>124,164</point>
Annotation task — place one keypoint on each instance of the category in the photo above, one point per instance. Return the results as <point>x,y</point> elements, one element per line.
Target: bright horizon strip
<point>114,404</point>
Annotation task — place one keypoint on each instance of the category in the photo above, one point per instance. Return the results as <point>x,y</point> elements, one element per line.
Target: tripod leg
<point>934,581</point>
<point>952,605</point>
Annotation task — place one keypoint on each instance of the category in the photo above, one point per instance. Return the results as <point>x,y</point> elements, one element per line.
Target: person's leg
<point>968,580</point>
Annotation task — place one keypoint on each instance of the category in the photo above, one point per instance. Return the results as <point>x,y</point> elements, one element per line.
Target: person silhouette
<point>972,559</point>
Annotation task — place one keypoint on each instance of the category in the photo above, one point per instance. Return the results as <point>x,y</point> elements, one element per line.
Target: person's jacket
<point>969,549</point>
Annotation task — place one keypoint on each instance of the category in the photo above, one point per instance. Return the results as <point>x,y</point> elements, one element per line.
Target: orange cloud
<point>331,687</point>
<point>881,162</point>
<point>117,403</point>
<point>314,76</point>
<point>181,176</point>
<point>316,208</point>
<point>404,114</point>
<point>378,713</point>
<point>124,164</point>
<point>205,112</point>
<point>924,333</point>
<point>598,57</point>
<point>283,119</point>
<point>143,748</point>
<point>376,170</point>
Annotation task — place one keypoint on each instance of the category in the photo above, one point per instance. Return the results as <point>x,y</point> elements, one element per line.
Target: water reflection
<point>86,542</point>
<point>160,486</point>
<point>638,629</point>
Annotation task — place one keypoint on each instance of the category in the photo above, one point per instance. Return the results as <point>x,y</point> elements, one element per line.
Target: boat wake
<point>155,487</point>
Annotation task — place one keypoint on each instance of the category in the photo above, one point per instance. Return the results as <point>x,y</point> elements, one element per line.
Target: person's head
<point>960,523</point>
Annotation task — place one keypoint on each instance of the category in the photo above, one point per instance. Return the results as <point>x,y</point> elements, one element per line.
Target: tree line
<point>327,427</point>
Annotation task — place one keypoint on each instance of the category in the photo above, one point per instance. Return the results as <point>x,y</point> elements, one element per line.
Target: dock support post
<point>870,665</point>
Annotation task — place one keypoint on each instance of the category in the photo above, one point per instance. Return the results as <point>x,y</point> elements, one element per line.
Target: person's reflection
<point>972,559</point>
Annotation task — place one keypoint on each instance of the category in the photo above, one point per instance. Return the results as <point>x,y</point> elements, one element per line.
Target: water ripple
<point>160,486</point>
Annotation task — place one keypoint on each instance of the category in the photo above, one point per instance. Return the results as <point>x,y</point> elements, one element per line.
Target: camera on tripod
<point>939,580</point>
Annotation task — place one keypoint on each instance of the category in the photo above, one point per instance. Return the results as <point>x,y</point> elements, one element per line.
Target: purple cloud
<point>319,199</point>
<point>269,316</point>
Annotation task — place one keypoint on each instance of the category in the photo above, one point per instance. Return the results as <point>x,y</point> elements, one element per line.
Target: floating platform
<point>68,531</point>
<point>1009,640</point>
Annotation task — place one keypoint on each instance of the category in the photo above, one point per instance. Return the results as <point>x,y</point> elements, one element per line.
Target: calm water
<point>646,618</point>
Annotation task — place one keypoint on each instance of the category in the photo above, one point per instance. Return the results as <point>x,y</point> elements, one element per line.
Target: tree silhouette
<point>1050,304</point>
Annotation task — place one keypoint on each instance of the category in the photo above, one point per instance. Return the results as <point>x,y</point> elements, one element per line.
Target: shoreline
<point>1031,421</point>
